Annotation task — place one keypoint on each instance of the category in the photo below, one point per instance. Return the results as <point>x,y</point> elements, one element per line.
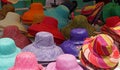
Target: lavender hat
<point>73,45</point>
<point>44,47</point>
<point>64,62</point>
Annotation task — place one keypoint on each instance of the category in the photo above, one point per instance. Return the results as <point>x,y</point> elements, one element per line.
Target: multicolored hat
<point>61,13</point>
<point>73,45</point>
<point>48,24</point>
<point>79,21</point>
<point>13,32</point>
<point>26,61</point>
<point>8,52</point>
<point>101,51</point>
<point>35,13</point>
<point>12,19</point>
<point>5,9</point>
<point>44,47</point>
<point>64,62</point>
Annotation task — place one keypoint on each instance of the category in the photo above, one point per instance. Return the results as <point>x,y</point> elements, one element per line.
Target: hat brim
<point>13,1</point>
<point>101,62</point>
<point>52,66</point>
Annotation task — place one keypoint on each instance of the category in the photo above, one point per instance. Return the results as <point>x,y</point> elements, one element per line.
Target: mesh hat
<point>64,64</point>
<point>44,47</point>
<point>8,53</point>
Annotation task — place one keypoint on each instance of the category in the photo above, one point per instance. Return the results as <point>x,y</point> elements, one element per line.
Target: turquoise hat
<point>8,52</point>
<point>61,13</point>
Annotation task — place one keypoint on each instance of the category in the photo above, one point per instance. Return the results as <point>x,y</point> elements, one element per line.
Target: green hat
<point>8,52</point>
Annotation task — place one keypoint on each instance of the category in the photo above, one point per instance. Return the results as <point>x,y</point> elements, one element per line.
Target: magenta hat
<point>64,62</point>
<point>26,61</point>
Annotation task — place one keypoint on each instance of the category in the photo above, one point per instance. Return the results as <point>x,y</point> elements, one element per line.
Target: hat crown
<point>36,6</point>
<point>11,31</point>
<point>78,34</point>
<point>66,62</point>
<point>12,17</point>
<point>50,21</point>
<point>44,39</point>
<point>7,46</point>
<point>26,60</point>
<point>63,11</point>
<point>102,45</point>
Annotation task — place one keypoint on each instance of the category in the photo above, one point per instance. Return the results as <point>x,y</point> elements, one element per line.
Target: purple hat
<point>64,62</point>
<point>72,46</point>
<point>44,47</point>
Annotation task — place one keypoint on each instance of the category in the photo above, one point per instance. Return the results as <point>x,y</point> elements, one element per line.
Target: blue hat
<point>61,13</point>
<point>8,52</point>
<point>44,47</point>
<point>73,45</point>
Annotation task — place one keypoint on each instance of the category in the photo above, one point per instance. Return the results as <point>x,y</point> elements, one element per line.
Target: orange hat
<point>36,12</point>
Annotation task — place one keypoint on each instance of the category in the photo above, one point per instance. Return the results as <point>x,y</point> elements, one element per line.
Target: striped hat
<point>101,51</point>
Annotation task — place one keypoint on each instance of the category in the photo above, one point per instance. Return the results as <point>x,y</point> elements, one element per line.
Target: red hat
<point>112,21</point>
<point>48,24</point>
<point>14,33</point>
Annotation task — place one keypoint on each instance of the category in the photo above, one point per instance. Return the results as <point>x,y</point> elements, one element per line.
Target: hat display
<point>61,13</point>
<point>48,24</point>
<point>12,19</point>
<point>13,1</point>
<point>8,52</point>
<point>26,61</point>
<point>64,62</point>
<point>35,13</point>
<point>5,9</point>
<point>44,47</point>
<point>100,51</point>
<point>79,21</point>
<point>13,32</point>
<point>73,45</point>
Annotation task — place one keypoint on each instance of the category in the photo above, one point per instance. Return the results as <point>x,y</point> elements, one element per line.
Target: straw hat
<point>12,19</point>
<point>64,64</point>
<point>73,45</point>
<point>5,9</point>
<point>13,32</point>
<point>61,13</point>
<point>26,61</point>
<point>44,47</point>
<point>100,51</point>
<point>48,24</point>
<point>35,13</point>
<point>79,21</point>
<point>8,52</point>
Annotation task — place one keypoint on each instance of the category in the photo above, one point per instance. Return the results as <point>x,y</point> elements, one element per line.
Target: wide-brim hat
<point>8,59</point>
<point>60,13</point>
<point>12,19</point>
<point>13,1</point>
<point>108,59</point>
<point>47,26</point>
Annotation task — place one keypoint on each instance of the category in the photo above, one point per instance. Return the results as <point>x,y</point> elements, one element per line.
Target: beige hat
<point>13,1</point>
<point>12,19</point>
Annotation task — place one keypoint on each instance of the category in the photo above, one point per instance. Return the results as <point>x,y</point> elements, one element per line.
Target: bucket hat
<point>79,21</point>
<point>13,32</point>
<point>44,47</point>
<point>8,53</point>
<point>48,24</point>
<point>73,45</point>
<point>101,51</point>
<point>5,9</point>
<point>35,13</point>
<point>60,13</point>
<point>64,64</point>
<point>26,61</point>
<point>12,19</point>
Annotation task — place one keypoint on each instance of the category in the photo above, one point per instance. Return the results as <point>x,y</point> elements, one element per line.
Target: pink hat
<point>14,33</point>
<point>101,51</point>
<point>64,62</point>
<point>26,61</point>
